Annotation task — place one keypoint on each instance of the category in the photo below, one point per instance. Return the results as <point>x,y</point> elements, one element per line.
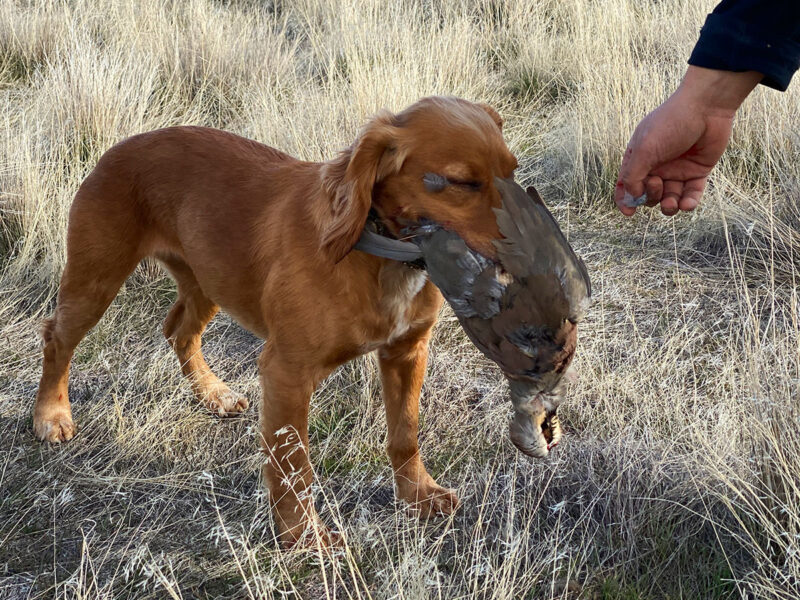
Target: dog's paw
<point>55,428</point>
<point>309,534</point>
<point>430,499</point>
<point>223,402</point>
<point>316,537</point>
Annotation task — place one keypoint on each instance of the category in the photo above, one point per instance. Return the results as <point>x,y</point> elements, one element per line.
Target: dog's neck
<point>376,239</point>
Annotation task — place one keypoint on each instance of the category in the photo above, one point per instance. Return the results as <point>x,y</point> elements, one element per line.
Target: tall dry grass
<point>679,476</point>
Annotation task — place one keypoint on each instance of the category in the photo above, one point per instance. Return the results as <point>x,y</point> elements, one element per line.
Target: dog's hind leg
<point>183,329</point>
<point>103,245</point>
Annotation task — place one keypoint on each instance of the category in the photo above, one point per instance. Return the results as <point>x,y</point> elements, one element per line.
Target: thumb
<point>630,191</point>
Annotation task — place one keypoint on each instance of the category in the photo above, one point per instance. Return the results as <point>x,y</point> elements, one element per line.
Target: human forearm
<point>716,92</point>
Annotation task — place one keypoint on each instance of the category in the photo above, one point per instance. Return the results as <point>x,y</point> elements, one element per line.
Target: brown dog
<point>269,238</point>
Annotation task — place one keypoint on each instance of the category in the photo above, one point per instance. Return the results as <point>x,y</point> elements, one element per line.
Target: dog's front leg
<point>287,390</point>
<point>403,366</point>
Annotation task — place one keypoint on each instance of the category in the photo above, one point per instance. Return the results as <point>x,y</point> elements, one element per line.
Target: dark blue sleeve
<point>752,35</point>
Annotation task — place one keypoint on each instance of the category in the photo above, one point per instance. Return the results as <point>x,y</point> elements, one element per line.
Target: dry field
<point>680,473</point>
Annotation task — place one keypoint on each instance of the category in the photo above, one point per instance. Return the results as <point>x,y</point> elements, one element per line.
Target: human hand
<point>676,146</point>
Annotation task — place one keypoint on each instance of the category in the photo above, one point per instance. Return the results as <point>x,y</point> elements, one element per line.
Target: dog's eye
<point>434,182</point>
<point>472,186</point>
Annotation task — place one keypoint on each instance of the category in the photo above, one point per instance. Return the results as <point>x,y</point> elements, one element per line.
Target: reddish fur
<point>268,237</point>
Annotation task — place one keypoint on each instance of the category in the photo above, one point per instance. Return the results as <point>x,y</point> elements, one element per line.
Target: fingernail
<point>632,202</point>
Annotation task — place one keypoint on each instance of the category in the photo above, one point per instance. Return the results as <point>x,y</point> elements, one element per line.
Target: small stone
<point>632,202</point>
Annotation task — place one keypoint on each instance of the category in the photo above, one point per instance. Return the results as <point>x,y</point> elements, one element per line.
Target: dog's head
<point>436,160</point>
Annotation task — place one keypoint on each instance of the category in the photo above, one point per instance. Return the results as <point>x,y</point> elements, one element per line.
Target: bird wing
<point>534,245</point>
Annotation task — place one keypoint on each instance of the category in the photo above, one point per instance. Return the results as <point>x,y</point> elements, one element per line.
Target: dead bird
<point>520,309</point>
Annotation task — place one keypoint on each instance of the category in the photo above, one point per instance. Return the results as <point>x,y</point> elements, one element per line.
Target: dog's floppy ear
<point>493,113</point>
<point>349,178</point>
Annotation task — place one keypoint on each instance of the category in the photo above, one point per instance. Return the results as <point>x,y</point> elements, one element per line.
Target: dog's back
<point>149,178</point>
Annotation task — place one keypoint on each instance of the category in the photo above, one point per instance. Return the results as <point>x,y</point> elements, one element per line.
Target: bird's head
<point>538,389</point>
<point>535,428</point>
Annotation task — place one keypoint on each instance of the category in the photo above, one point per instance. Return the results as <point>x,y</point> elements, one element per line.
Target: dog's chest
<point>399,287</point>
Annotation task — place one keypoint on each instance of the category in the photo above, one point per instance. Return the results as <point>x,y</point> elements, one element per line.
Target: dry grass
<point>679,476</point>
